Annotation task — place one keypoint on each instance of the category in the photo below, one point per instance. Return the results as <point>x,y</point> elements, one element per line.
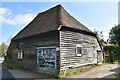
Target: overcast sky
<point>14,16</point>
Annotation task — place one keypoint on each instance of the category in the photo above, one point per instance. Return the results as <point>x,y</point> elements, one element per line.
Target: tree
<point>114,35</point>
<point>113,51</point>
<point>9,40</point>
<point>99,35</point>
<point>3,49</point>
<point>114,38</point>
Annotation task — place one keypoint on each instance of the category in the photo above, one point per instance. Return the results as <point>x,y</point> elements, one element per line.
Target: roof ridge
<point>61,20</point>
<point>59,16</point>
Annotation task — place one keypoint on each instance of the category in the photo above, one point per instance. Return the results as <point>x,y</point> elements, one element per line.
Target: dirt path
<point>103,71</point>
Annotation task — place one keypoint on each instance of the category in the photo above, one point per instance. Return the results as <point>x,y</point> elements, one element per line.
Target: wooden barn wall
<point>29,47</point>
<point>68,41</point>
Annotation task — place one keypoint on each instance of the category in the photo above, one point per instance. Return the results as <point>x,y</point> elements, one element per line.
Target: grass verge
<point>10,65</point>
<point>117,76</point>
<point>114,62</point>
<point>76,71</point>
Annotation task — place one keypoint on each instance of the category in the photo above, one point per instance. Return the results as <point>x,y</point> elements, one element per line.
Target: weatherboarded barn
<point>54,41</point>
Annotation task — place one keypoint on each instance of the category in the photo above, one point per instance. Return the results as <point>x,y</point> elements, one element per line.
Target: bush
<point>113,53</point>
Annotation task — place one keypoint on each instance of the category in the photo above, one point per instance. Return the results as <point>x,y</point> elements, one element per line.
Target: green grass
<point>114,62</point>
<point>118,76</point>
<point>8,64</point>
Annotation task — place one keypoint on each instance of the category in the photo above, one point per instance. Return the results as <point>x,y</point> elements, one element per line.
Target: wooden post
<point>111,57</point>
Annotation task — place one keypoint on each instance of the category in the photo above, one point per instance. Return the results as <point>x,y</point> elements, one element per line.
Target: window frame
<point>20,55</point>
<point>80,46</point>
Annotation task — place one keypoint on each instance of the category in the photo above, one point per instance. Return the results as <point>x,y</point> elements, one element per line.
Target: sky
<point>14,16</point>
<point>119,12</point>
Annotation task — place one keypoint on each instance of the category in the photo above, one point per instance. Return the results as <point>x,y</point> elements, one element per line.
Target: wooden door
<point>99,57</point>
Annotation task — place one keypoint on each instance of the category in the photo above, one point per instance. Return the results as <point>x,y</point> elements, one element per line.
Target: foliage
<point>113,50</point>
<point>110,48</point>
<point>3,49</point>
<point>114,35</point>
<point>116,62</point>
<point>118,76</point>
<point>99,35</point>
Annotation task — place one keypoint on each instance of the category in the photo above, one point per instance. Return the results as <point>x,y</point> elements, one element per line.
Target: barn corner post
<point>59,70</point>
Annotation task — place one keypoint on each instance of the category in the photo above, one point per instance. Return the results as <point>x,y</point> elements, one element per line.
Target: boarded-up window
<point>46,57</point>
<point>78,50</point>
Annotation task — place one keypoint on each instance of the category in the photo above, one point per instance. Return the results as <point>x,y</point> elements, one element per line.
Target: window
<point>78,50</point>
<point>20,55</point>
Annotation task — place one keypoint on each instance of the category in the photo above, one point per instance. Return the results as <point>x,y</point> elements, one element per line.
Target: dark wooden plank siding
<point>29,48</point>
<point>68,41</point>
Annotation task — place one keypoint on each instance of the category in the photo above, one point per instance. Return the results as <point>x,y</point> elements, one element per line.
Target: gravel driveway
<point>103,71</point>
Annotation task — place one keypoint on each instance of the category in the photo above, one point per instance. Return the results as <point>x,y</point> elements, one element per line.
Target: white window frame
<point>78,45</point>
<point>20,55</point>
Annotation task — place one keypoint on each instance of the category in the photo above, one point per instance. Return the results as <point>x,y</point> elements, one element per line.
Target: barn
<point>55,41</point>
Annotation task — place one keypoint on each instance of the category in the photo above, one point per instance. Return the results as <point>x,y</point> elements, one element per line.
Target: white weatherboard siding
<point>68,42</point>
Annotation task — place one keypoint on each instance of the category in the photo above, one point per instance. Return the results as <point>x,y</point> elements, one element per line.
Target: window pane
<point>21,57</point>
<point>79,50</point>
